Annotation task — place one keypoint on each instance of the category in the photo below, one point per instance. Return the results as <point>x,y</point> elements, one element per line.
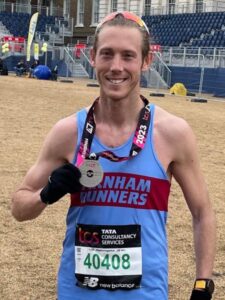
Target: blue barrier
<point>213,80</point>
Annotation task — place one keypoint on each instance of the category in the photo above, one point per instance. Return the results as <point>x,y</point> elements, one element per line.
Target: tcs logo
<point>86,237</point>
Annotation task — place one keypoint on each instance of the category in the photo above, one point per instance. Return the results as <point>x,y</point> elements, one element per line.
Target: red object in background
<point>17,41</point>
<point>155,48</point>
<point>78,48</point>
<point>13,39</point>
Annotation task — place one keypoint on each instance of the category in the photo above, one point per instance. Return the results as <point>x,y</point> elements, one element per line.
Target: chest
<point>113,137</point>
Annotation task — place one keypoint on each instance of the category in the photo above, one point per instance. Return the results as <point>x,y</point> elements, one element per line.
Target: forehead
<point>125,37</point>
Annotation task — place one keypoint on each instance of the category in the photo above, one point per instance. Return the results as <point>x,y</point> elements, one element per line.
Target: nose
<point>117,64</point>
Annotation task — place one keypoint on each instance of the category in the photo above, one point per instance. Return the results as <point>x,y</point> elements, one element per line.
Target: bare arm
<point>186,170</point>
<point>26,201</point>
<point>57,149</point>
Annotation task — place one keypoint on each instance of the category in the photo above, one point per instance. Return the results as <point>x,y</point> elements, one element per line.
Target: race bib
<point>108,257</point>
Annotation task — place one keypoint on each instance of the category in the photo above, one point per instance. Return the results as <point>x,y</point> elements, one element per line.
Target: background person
<point>1,65</point>
<point>32,67</point>
<point>54,71</point>
<point>20,68</point>
<point>3,68</point>
<point>117,159</point>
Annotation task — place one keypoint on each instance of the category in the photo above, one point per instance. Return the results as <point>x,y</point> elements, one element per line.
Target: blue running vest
<point>135,192</point>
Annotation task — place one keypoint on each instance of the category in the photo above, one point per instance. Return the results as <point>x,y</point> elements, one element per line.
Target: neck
<point>118,112</point>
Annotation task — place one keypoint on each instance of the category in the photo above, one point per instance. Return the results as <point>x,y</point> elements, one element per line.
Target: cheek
<point>135,69</point>
<point>135,65</point>
<point>101,64</point>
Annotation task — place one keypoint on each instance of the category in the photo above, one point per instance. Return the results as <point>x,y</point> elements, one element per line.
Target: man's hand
<point>63,180</point>
<point>200,295</point>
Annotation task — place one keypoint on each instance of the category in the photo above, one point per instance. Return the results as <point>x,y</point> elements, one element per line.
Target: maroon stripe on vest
<point>126,190</point>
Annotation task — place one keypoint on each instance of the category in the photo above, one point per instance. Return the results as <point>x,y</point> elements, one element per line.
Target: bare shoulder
<point>66,127</point>
<point>174,139</point>
<point>61,140</point>
<point>170,126</point>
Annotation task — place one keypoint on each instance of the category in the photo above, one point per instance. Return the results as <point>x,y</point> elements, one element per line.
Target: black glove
<point>63,180</point>
<point>200,295</point>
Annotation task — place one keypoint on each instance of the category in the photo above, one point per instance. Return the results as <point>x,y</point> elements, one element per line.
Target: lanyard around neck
<point>138,143</point>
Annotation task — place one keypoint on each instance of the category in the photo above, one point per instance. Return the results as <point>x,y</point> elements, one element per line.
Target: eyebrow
<point>112,50</point>
<point>105,49</point>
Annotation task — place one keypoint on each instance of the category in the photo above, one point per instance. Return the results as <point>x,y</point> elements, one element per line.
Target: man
<point>54,71</point>
<point>1,65</point>
<point>32,67</point>
<point>117,159</point>
<point>20,68</point>
<point>3,68</point>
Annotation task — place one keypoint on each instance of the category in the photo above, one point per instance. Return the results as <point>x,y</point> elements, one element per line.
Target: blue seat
<point>18,23</point>
<point>174,29</point>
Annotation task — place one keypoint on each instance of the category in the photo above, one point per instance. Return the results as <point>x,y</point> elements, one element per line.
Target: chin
<point>116,96</point>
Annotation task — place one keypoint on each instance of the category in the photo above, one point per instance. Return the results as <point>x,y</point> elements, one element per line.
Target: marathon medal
<point>91,173</point>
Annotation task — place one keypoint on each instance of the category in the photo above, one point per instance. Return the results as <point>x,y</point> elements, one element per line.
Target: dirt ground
<point>30,251</point>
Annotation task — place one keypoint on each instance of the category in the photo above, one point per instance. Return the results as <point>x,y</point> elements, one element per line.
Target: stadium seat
<point>18,23</point>
<point>172,30</point>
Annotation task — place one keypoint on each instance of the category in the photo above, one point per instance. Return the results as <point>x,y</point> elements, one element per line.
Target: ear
<point>92,56</point>
<point>147,61</point>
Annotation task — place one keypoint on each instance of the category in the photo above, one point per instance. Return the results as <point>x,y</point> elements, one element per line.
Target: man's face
<point>118,61</point>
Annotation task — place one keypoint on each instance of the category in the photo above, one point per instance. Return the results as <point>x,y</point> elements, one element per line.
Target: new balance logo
<point>91,282</point>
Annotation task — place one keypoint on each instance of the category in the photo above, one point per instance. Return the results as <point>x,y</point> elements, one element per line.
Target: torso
<point>138,188</point>
<point>114,137</point>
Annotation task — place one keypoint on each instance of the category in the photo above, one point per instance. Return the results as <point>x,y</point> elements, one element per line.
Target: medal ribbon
<point>138,140</point>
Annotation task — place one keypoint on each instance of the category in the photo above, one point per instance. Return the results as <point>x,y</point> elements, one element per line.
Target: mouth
<point>116,81</point>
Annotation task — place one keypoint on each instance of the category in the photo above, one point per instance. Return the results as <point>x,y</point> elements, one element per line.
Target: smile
<point>116,81</point>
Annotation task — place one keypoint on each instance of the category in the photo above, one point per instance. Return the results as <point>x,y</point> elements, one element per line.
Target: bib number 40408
<point>113,262</point>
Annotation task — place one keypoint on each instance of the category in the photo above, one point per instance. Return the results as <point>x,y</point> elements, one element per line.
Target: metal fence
<point>194,56</point>
<point>173,56</point>
<point>161,68</point>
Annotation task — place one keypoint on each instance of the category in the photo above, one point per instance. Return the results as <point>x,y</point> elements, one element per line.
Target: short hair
<point>120,20</point>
